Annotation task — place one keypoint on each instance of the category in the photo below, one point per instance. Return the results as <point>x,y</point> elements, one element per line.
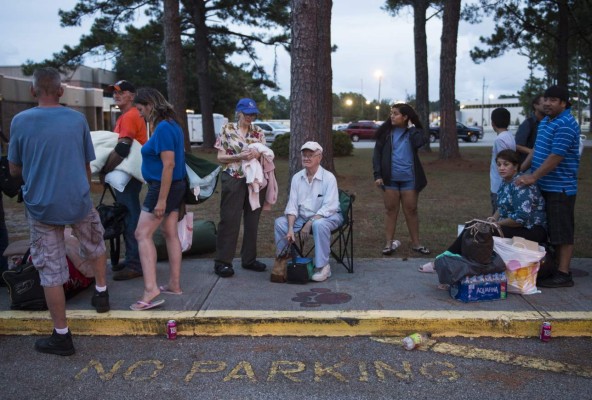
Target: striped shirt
<point>559,136</point>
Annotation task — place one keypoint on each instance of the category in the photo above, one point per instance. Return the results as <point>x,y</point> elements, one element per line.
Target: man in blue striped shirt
<point>555,164</point>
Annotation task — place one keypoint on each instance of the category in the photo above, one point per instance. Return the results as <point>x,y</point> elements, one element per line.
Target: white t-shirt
<point>505,140</point>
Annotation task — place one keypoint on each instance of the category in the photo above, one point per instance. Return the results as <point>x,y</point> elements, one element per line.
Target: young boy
<point>500,120</point>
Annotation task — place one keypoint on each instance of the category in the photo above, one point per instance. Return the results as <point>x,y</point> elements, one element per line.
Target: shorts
<point>400,185</point>
<point>48,246</point>
<point>174,199</point>
<point>560,217</point>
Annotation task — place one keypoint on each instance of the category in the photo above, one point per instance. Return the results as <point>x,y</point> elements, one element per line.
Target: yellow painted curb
<point>303,323</point>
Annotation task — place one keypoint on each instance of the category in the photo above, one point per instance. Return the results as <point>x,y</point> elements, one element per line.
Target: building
<point>479,113</point>
<point>83,91</point>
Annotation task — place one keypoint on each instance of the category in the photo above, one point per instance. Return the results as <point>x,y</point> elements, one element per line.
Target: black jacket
<point>381,161</point>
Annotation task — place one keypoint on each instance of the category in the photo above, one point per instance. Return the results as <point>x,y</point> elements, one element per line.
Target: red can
<point>545,335</point>
<point>171,329</point>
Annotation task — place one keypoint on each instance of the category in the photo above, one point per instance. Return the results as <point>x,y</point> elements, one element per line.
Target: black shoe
<point>223,270</point>
<point>118,267</point>
<point>557,280</point>
<point>127,273</point>
<point>56,344</point>
<point>100,301</point>
<point>256,266</point>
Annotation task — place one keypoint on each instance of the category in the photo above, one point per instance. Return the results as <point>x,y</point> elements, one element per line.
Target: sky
<point>367,38</point>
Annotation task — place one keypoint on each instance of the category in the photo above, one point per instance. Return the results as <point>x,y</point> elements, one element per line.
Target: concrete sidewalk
<point>384,297</point>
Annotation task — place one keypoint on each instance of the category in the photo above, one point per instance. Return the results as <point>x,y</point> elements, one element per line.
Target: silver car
<point>271,129</point>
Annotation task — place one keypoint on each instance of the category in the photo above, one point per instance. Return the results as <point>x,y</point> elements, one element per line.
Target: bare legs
<point>393,200</point>
<point>147,225</point>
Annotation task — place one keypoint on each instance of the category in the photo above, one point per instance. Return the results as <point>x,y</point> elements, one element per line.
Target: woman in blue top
<point>398,172</point>
<point>163,168</point>
<point>520,209</point>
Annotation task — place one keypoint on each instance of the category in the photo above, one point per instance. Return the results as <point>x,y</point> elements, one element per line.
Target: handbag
<point>299,270</point>
<point>9,185</point>
<point>477,240</point>
<point>112,216</point>
<point>185,231</point>
<point>279,271</point>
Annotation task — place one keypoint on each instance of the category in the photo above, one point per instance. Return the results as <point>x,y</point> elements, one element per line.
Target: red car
<point>361,130</point>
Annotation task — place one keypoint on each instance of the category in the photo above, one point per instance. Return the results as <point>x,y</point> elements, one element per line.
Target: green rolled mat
<point>204,240</point>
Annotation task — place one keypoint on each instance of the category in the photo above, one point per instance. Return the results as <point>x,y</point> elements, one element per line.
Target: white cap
<point>314,146</point>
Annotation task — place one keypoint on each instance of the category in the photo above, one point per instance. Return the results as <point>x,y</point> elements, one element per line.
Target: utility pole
<point>482,103</point>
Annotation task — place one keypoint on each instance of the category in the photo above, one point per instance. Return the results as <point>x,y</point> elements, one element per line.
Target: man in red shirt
<point>130,125</point>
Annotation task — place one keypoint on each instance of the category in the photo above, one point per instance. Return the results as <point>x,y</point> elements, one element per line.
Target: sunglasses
<point>250,115</point>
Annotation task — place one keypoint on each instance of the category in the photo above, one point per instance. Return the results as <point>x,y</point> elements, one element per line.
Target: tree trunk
<point>562,44</point>
<point>174,61</point>
<point>203,80</point>
<point>311,98</point>
<point>448,138</point>
<point>422,98</point>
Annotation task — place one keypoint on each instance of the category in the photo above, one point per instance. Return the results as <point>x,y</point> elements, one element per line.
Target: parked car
<point>466,133</point>
<point>271,129</point>
<point>361,130</point>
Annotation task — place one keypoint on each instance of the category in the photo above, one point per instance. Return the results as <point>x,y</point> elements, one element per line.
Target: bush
<point>342,145</point>
<point>281,145</point>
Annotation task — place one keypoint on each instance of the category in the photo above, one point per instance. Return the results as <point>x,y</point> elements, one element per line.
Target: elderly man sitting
<point>313,207</point>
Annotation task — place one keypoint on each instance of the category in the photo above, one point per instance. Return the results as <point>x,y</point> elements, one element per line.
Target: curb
<point>299,323</point>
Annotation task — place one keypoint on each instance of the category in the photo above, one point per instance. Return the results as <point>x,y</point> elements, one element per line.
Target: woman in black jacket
<point>398,172</point>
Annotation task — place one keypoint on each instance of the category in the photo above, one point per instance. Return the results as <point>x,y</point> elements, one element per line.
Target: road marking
<point>502,357</point>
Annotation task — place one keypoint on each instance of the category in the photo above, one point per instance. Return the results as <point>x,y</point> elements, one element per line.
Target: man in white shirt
<point>313,207</point>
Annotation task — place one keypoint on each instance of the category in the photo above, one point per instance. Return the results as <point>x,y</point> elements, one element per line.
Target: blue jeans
<point>130,197</point>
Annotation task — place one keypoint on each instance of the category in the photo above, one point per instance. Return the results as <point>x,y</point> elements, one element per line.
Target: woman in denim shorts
<point>163,167</point>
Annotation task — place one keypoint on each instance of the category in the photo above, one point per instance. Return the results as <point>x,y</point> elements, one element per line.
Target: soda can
<point>171,329</point>
<point>545,335</point>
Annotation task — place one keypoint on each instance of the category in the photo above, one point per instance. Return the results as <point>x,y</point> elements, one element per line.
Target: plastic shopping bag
<point>522,265</point>
<point>185,230</point>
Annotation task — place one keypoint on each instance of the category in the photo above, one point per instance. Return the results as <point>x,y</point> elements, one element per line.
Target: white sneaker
<point>322,274</point>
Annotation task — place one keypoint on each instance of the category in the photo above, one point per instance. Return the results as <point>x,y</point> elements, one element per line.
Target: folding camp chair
<point>342,238</point>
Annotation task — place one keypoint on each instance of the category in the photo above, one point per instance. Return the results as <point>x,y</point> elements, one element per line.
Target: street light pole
<point>379,76</point>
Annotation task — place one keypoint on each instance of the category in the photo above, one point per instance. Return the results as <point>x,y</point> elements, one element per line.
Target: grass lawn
<point>457,191</point>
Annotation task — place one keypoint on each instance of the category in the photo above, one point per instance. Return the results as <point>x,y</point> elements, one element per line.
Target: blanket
<point>104,142</point>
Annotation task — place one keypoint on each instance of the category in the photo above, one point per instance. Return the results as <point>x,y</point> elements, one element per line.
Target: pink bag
<point>185,230</point>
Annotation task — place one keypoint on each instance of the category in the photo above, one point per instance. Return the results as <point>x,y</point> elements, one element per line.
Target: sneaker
<point>60,345</point>
<point>322,274</point>
<point>557,280</point>
<point>127,273</point>
<point>223,270</point>
<point>100,301</point>
<point>118,267</point>
<point>256,266</point>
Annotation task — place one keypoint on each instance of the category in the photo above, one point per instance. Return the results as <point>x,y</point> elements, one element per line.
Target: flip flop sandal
<point>427,268</point>
<point>421,249</point>
<point>395,244</point>
<point>143,305</point>
<point>165,290</point>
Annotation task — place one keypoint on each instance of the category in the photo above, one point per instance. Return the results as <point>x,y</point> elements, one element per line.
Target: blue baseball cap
<point>247,106</point>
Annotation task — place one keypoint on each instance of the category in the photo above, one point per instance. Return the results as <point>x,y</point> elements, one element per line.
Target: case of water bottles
<point>480,288</point>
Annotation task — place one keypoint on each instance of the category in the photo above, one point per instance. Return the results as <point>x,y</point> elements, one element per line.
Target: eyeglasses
<point>250,115</point>
<point>304,157</point>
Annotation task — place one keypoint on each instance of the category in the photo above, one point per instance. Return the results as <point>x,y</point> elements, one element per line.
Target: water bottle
<point>414,340</point>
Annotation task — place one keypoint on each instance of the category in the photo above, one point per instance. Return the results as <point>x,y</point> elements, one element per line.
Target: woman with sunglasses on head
<point>398,172</point>
<point>233,148</point>
<point>163,168</point>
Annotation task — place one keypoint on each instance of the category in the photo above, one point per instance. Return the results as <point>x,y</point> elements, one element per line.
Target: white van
<point>195,128</point>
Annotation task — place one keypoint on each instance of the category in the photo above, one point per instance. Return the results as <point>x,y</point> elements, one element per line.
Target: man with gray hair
<point>51,149</point>
<point>313,208</point>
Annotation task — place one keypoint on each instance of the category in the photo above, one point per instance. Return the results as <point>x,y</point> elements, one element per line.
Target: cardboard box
<point>479,291</point>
